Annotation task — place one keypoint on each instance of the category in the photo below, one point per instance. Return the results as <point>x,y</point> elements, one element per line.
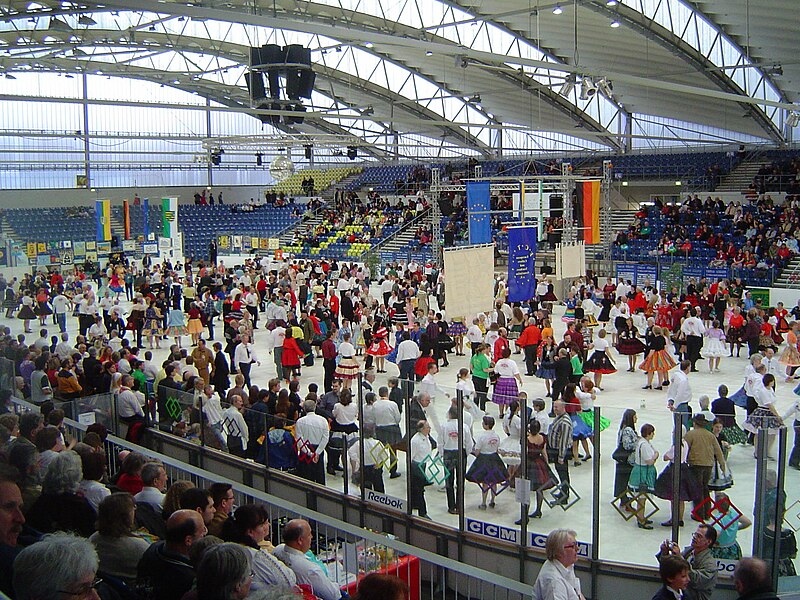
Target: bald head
<point>184,527</point>
<point>752,576</point>
<point>297,535</point>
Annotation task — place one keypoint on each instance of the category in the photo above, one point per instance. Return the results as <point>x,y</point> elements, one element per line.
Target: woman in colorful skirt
<point>347,369</point>
<point>586,394</point>
<point>379,348</point>
<point>782,325</point>
<point>735,332</point>
<point>10,301</point>
<point>457,330</point>
<point>729,524</point>
<point>714,346</point>
<point>627,342</point>
<point>765,418</point>
<point>643,475</point>
<point>538,470</point>
<point>509,381</point>
<point>725,411</point>
<point>195,326</point>
<point>599,362</point>
<point>546,362</point>
<point>488,469</point>
<point>176,326</point>
<point>26,311</point>
<point>42,307</point>
<point>115,285</point>
<point>581,430</point>
<point>690,488</point>
<point>510,448</point>
<point>569,313</point>
<point>152,325</point>
<point>790,357</point>
<point>658,360</point>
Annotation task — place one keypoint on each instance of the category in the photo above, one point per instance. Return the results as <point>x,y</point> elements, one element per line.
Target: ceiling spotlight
<point>86,20</point>
<point>605,87</point>
<point>792,119</point>
<point>611,3</point>
<point>558,10</point>
<point>588,88</point>
<point>10,76</point>
<point>429,53</point>
<point>614,23</point>
<point>569,86</point>
<point>774,70</point>
<point>369,45</point>
<point>369,110</point>
<point>152,27</point>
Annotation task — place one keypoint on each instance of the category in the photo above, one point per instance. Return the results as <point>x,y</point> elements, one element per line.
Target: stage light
<point>614,24</point>
<point>558,10</point>
<point>569,86</point>
<point>588,88</point>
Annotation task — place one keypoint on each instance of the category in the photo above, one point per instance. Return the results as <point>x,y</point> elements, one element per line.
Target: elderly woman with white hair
<point>60,507</point>
<point>60,565</point>
<point>224,573</point>
<point>557,579</point>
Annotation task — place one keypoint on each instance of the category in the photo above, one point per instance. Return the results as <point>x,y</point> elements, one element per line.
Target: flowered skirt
<point>152,327</point>
<point>734,434</point>
<point>732,552</point>
<point>456,328</point>
<point>661,360</point>
<point>790,357</point>
<point>505,391</point>
<point>761,418</point>
<point>509,450</point>
<point>176,330</point>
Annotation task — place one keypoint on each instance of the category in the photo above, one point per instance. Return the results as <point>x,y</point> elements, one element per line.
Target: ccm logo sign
<point>538,540</point>
<point>384,500</point>
<point>491,530</point>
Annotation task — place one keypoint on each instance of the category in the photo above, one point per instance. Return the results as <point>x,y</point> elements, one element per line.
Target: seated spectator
<point>381,586</point>
<point>49,445</point>
<point>249,526</point>
<point>60,507</point>
<point>11,522</point>
<point>130,473</point>
<point>94,470</point>
<point>224,573</point>
<point>154,480</point>
<point>222,495</point>
<point>119,550</point>
<point>60,565</point>
<point>172,499</point>
<point>25,459</point>
<point>297,539</point>
<point>200,501</point>
<point>165,571</point>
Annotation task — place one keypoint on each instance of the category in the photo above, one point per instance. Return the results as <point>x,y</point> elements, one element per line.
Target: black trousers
<point>558,387</point>
<point>329,365</point>
<point>703,476</point>
<point>313,471</point>
<point>530,358</point>
<point>693,344</point>
<point>481,390</point>
<point>418,484</point>
<point>373,478</point>
<point>244,369</point>
<point>794,457</point>
<point>450,459</point>
<point>562,470</point>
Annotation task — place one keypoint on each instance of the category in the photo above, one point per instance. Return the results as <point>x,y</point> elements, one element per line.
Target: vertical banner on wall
<point>102,209</point>
<point>587,211</point>
<point>169,217</point>
<point>478,207</point>
<point>126,218</point>
<point>521,263</point>
<point>146,211</point>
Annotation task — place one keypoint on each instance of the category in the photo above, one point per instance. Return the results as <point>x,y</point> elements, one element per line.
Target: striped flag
<point>146,211</point>
<point>587,211</point>
<point>169,217</point>
<point>102,210</point>
<point>126,218</point>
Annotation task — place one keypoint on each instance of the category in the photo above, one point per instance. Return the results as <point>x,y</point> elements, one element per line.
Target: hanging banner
<point>478,207</point>
<point>102,209</point>
<point>521,263</point>
<point>146,213</point>
<point>587,211</point>
<point>169,217</point>
<point>126,219</point>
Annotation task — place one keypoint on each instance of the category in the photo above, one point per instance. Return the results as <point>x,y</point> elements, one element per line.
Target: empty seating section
<point>323,179</point>
<point>200,223</point>
<point>52,224</point>
<point>690,168</point>
<point>137,216</point>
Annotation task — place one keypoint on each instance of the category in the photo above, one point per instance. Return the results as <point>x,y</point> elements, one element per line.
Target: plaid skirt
<point>505,391</point>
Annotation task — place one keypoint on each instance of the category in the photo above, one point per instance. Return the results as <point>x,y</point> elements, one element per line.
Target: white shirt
<point>693,326</point>
<point>385,413</point>
<point>313,429</point>
<point>764,396</point>
<point>474,334</point>
<point>370,446</point>
<point>245,353</point>
<point>234,425</point>
<point>93,491</point>
<point>679,389</point>
<point>487,442</point>
<point>152,496</point>
<point>128,404</point>
<point>308,572</point>
<point>64,350</point>
<point>60,304</point>
<point>429,386</point>
<point>345,415</point>
<point>420,447</point>
<point>212,409</point>
<point>505,367</point>
<point>556,582</point>
<point>448,436</point>
<point>347,350</point>
<point>278,336</point>
<point>407,350</point>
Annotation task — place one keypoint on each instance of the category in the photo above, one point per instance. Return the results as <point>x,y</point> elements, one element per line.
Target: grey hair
<point>64,474</point>
<point>222,569</point>
<point>755,357</point>
<point>554,547</point>
<point>150,472</point>
<point>55,563</point>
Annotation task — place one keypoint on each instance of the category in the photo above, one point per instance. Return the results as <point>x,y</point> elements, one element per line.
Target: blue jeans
<point>61,319</point>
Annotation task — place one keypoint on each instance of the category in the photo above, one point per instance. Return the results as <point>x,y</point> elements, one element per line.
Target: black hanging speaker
<point>255,85</point>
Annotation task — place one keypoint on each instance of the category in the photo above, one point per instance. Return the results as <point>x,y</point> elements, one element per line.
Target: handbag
<point>720,479</point>
<point>620,454</point>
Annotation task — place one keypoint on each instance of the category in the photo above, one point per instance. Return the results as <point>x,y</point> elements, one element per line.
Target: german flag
<point>126,218</point>
<point>587,211</point>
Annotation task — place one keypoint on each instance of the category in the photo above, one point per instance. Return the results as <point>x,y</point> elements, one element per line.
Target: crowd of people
<point>778,176</point>
<point>355,323</point>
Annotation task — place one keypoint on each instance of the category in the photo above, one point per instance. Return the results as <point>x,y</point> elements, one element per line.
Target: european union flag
<point>478,207</point>
<point>521,263</point>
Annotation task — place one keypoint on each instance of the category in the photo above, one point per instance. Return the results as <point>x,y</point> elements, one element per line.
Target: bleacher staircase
<point>740,177</point>
<point>790,275</point>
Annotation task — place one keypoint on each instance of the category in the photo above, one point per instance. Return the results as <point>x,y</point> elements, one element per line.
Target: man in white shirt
<point>297,538</point>
<point>420,448</point>
<point>64,349</point>
<point>429,386</point>
<point>450,439</point>
<point>244,356</point>
<point>149,368</point>
<point>129,408</point>
<point>41,342</point>
<point>312,434</point>
<point>475,336</point>
<point>234,426</point>
<point>387,424</point>
<point>679,393</point>
<point>98,331</point>
<point>154,477</point>
<point>60,307</point>
<point>278,337</point>
<point>693,329</point>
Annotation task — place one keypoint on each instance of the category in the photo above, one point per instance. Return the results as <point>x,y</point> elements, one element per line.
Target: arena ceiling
<point>477,75</point>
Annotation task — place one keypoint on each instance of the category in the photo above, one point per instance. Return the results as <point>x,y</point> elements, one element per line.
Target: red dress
<point>379,346</point>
